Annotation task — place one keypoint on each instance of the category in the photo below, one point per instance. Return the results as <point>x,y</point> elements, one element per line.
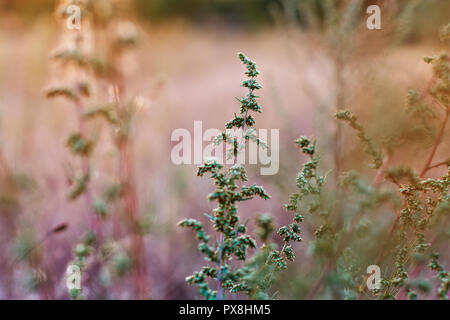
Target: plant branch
<point>438,140</point>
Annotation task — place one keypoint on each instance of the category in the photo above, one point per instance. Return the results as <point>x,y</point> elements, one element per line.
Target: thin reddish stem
<point>95,221</point>
<point>126,154</point>
<point>438,140</point>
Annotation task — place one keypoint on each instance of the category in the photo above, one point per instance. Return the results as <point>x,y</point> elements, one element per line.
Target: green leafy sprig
<point>232,242</point>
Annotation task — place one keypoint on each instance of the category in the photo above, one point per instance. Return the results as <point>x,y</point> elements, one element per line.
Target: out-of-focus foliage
<point>247,12</point>
<point>308,13</point>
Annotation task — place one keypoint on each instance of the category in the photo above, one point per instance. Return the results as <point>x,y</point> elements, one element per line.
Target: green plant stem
<point>274,268</point>
<point>221,240</point>
<point>219,271</point>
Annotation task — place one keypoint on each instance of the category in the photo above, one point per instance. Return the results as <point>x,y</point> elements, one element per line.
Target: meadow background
<point>185,68</point>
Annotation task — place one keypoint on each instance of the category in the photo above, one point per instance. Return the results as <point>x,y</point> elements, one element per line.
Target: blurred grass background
<point>187,52</point>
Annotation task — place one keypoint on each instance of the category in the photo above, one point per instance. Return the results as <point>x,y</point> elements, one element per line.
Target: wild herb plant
<point>119,113</point>
<point>366,141</point>
<point>256,275</point>
<point>73,57</point>
<point>232,241</point>
<point>425,201</point>
<point>17,238</point>
<point>266,265</point>
<point>119,116</point>
<point>420,206</point>
<point>332,245</point>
